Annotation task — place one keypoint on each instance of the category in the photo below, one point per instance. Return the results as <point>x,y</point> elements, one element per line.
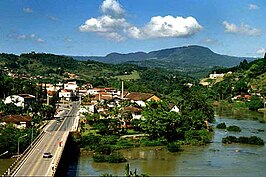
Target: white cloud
<point>209,41</point>
<point>104,24</point>
<point>25,37</point>
<point>242,29</point>
<point>107,26</point>
<point>261,51</point>
<point>253,7</point>
<point>113,25</point>
<point>21,36</point>
<point>67,40</point>
<point>32,35</point>
<point>40,40</point>
<point>27,10</point>
<point>53,18</point>
<point>167,26</point>
<point>112,7</point>
<point>114,36</point>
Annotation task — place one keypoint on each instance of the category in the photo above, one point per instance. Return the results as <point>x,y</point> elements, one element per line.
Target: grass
<point>133,76</point>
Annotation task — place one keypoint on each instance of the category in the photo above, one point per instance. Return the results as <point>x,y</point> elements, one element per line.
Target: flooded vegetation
<point>215,158</point>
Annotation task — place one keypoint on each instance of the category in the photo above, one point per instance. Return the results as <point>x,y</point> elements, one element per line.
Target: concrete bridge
<point>52,139</point>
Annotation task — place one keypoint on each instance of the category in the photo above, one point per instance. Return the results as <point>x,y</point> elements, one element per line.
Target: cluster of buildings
<point>94,100</point>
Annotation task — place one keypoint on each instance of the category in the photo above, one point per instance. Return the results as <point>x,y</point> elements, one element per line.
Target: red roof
<point>139,96</point>
<point>15,118</point>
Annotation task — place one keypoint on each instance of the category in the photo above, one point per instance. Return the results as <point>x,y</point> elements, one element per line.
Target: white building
<point>71,86</point>
<point>66,95</point>
<point>20,100</point>
<point>214,76</point>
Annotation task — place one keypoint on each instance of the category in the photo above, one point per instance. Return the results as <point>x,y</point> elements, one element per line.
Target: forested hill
<point>58,67</point>
<point>174,57</point>
<point>247,76</point>
<point>50,68</point>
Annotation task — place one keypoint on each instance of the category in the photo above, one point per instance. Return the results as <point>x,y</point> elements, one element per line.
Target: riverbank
<point>237,110</point>
<point>215,158</point>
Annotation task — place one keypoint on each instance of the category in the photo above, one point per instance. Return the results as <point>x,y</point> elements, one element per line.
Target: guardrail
<point>14,166</point>
<point>57,156</point>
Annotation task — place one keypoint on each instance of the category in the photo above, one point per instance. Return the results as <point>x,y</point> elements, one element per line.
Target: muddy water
<point>4,164</point>
<point>214,159</point>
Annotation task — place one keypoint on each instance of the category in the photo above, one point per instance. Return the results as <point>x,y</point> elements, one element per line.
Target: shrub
<point>123,143</point>
<point>234,128</point>
<point>174,147</point>
<point>198,136</point>
<point>97,157</point>
<point>90,141</point>
<point>104,149</point>
<point>112,139</point>
<point>116,158</point>
<point>229,139</point>
<point>245,140</point>
<point>221,126</point>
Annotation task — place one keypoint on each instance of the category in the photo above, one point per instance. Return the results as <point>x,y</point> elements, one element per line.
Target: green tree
<point>159,122</point>
<point>255,103</point>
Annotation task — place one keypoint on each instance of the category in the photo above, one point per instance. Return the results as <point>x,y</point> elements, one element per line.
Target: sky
<point>99,27</point>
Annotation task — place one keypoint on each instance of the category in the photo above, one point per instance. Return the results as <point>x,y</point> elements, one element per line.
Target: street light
<point>18,141</point>
<point>3,153</point>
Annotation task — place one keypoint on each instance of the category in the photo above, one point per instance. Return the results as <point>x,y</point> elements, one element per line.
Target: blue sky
<point>99,27</point>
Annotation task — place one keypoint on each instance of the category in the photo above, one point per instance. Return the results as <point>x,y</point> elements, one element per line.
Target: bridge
<point>52,139</point>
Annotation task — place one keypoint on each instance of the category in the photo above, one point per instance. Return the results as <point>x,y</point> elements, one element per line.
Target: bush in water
<point>221,126</point>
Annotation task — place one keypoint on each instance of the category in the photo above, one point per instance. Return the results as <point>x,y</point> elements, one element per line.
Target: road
<point>34,164</point>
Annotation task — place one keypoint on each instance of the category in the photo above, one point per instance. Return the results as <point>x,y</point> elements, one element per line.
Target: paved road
<point>35,164</point>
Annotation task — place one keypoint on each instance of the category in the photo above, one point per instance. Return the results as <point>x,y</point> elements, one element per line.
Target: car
<point>47,155</point>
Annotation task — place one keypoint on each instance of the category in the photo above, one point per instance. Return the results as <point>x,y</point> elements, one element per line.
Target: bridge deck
<point>53,140</point>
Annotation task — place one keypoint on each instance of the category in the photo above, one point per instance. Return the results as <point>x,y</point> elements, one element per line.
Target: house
<point>88,108</point>
<point>112,91</point>
<point>135,111</point>
<point>20,100</point>
<point>215,76</point>
<point>174,108</point>
<point>141,98</point>
<point>95,91</point>
<point>101,96</point>
<point>244,97</point>
<point>87,86</point>
<point>71,86</point>
<point>18,121</point>
<point>67,95</point>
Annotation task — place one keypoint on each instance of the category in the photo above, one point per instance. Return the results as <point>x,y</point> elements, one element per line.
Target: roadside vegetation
<point>11,136</point>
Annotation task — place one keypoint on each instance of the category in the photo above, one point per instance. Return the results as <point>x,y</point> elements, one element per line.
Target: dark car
<point>47,155</point>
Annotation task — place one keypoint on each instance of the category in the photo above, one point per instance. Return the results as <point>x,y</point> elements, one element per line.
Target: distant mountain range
<point>189,59</point>
<point>189,56</point>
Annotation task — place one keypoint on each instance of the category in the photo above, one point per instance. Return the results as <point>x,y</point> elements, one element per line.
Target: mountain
<point>189,56</point>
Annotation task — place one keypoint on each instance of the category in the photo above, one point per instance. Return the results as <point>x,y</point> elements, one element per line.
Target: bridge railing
<point>58,155</point>
<point>16,164</point>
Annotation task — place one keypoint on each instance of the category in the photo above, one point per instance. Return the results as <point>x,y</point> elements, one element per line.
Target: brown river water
<point>214,159</point>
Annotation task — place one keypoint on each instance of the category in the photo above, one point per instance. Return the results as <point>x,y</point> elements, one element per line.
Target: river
<point>214,159</point>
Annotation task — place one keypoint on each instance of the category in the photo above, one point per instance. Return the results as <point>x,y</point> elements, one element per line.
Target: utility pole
<point>122,94</point>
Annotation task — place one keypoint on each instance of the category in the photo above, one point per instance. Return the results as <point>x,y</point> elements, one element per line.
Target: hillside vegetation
<point>196,61</point>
